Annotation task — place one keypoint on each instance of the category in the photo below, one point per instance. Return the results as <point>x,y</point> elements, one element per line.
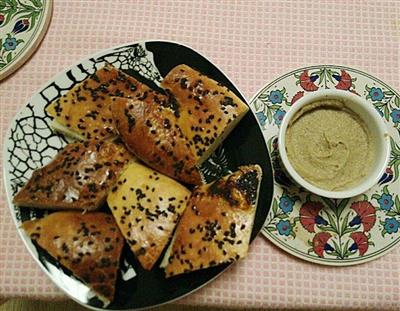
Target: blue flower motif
<point>386,202</point>
<point>286,204</point>
<point>376,94</point>
<point>278,116</point>
<point>275,97</point>
<point>10,44</point>
<point>391,225</point>
<point>284,227</point>
<point>395,115</point>
<point>261,117</point>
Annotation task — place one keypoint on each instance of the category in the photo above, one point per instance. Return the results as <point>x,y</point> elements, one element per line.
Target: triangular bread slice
<point>208,111</point>
<point>84,112</point>
<point>89,245</point>
<point>79,177</point>
<point>149,129</point>
<point>146,206</point>
<point>217,223</point>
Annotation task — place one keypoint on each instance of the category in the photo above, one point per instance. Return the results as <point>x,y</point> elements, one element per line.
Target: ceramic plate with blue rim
<point>23,24</point>
<point>31,144</point>
<point>328,231</point>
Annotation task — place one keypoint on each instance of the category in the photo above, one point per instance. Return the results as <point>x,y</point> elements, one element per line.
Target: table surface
<point>253,42</point>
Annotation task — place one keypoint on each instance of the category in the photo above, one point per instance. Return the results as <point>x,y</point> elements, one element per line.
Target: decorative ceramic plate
<point>23,24</point>
<point>31,144</point>
<point>321,230</point>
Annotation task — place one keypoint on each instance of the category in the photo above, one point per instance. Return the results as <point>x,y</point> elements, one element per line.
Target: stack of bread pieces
<point>128,176</point>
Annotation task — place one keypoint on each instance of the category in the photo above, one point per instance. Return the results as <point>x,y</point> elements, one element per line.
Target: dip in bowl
<point>334,143</point>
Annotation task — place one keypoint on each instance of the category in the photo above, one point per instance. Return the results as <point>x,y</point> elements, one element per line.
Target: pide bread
<point>89,245</point>
<point>84,112</point>
<point>208,111</point>
<point>217,223</point>
<point>146,206</point>
<point>149,129</point>
<point>79,177</point>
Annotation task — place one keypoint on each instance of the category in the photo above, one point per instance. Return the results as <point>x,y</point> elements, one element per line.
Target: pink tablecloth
<point>253,42</point>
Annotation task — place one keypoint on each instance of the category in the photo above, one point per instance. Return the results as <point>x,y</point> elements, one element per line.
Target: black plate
<point>31,144</point>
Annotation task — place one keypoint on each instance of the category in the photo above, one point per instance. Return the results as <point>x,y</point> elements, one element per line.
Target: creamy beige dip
<point>329,145</point>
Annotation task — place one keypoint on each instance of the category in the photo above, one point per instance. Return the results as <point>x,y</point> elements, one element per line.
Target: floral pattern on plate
<point>322,230</point>
<point>22,26</point>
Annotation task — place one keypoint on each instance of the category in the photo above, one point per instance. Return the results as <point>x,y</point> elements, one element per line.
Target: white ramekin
<point>372,119</point>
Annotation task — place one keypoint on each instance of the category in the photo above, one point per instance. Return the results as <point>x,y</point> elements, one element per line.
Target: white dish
<point>376,127</point>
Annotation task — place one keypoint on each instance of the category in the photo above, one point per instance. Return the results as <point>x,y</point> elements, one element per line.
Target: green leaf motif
<point>336,246</point>
<point>332,223</point>
<point>397,101</point>
<point>346,248</point>
<point>397,202</point>
<point>394,146</point>
<point>392,213</point>
<point>330,75</point>
<point>345,223</point>
<point>263,97</point>
<point>34,17</point>
<point>349,230</point>
<point>258,105</point>
<point>327,228</point>
<point>386,190</point>
<point>396,165</point>
<point>9,14</point>
<point>375,196</point>
<point>270,228</point>
<point>275,207</point>
<point>386,112</point>
<point>269,115</point>
<point>37,3</point>
<point>388,93</point>
<point>9,57</point>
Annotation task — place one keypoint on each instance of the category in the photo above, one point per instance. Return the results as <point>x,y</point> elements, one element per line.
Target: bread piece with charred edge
<point>217,223</point>
<point>208,111</point>
<point>146,206</point>
<point>79,177</point>
<point>88,245</point>
<point>84,112</point>
<point>149,129</point>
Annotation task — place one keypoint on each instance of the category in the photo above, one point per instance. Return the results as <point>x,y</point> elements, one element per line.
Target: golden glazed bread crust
<point>217,223</point>
<point>208,110</point>
<point>146,206</point>
<point>88,245</point>
<point>148,128</point>
<point>79,177</point>
<point>85,110</point>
